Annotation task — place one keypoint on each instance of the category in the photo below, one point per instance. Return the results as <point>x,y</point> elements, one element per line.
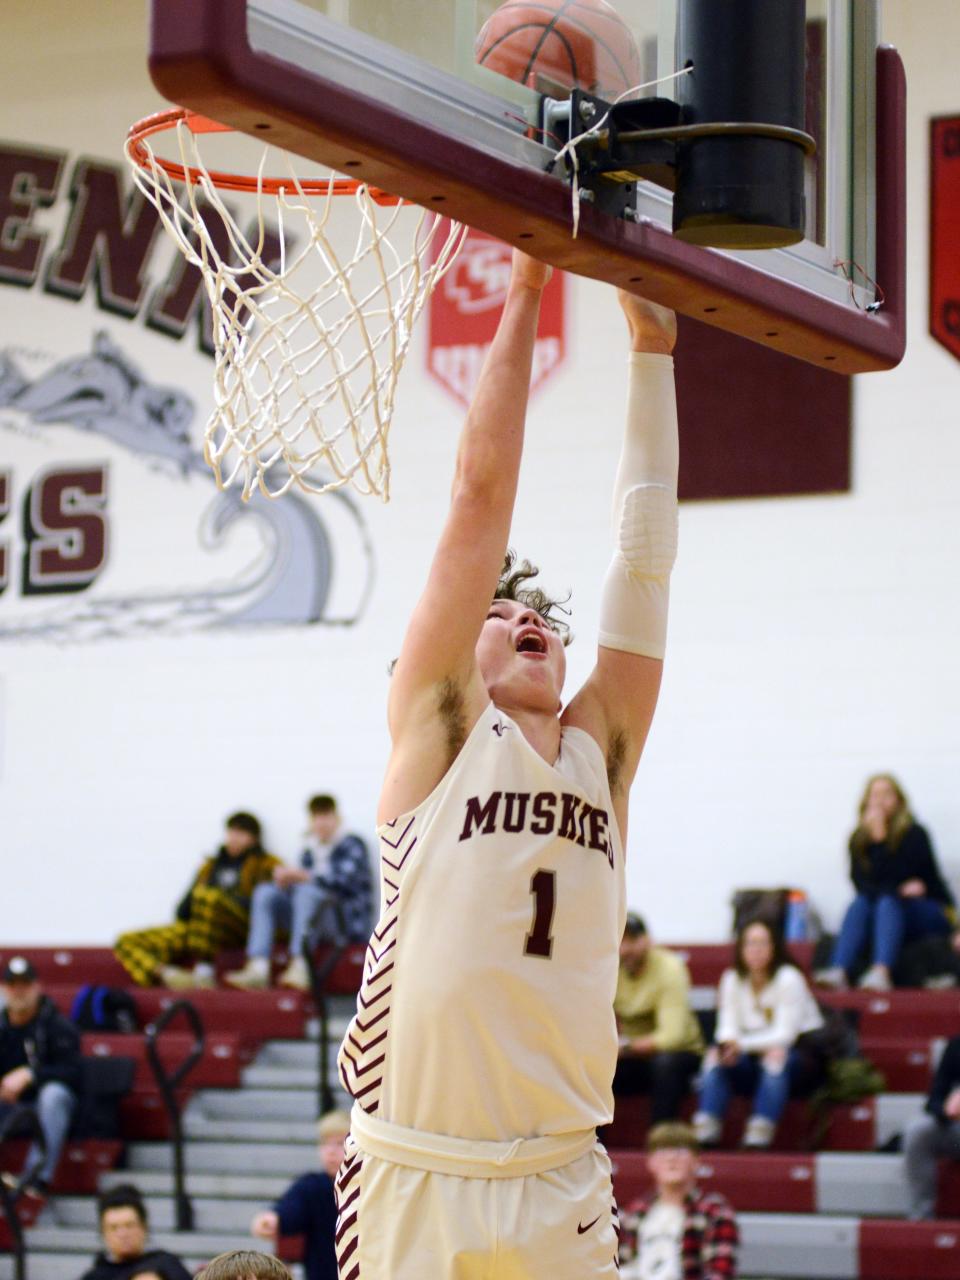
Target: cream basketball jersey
<point>486,1010</point>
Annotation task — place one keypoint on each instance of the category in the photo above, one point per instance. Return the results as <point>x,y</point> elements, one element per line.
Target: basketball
<point>580,44</point>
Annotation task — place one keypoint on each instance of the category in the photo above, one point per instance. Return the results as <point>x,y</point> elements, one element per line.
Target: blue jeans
<point>747,1077</point>
<point>886,924</point>
<point>55,1105</point>
<point>292,909</point>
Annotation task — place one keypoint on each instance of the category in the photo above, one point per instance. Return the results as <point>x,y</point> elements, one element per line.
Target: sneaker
<point>940,982</point>
<point>33,1186</point>
<point>834,978</point>
<point>254,976</point>
<point>177,979</point>
<point>877,978</point>
<point>758,1134</point>
<point>296,975</point>
<point>707,1128</point>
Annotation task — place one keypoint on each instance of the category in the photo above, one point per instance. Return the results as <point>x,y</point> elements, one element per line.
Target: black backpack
<point>101,1008</point>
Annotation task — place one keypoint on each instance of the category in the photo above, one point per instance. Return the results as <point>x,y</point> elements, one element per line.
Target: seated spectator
<point>765,1006</point>
<point>39,1065</point>
<point>213,915</point>
<point>334,870</point>
<point>126,1255</point>
<point>901,895</point>
<point>244,1264</point>
<point>660,1039</point>
<point>307,1207</point>
<point>934,1133</point>
<point>679,1233</point>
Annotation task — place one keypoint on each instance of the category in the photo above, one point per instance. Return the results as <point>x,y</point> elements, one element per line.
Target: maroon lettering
<point>106,238</point>
<point>65,526</point>
<point>544,804</point>
<point>28,181</point>
<point>515,821</point>
<point>481,817</point>
<point>543,886</point>
<point>598,834</point>
<point>183,297</point>
<point>5,487</point>
<point>581,825</point>
<point>568,818</point>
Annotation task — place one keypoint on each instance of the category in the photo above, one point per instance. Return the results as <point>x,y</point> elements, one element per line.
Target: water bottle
<point>796,926</point>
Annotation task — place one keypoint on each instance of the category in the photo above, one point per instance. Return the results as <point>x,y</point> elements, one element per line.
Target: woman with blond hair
<point>901,894</point>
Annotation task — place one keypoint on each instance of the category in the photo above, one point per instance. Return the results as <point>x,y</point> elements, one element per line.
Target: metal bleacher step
<point>86,1240</point>
<point>798,1246</point>
<point>290,1158</point>
<point>200,1130</point>
<point>864,1184</point>
<point>209,1213</point>
<point>894,1111</point>
<point>265,1104</point>
<point>263,1187</point>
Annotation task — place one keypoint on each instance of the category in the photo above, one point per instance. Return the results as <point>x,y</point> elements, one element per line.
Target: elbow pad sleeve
<point>636,591</point>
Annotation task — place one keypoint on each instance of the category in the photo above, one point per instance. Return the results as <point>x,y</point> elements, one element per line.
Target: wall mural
<point>95,439</point>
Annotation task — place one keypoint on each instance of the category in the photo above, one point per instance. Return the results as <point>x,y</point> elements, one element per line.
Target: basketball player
<point>484,1045</point>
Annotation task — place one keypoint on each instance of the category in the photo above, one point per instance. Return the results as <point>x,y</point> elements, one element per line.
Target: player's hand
<point>529,271</point>
<point>265,1225</point>
<point>652,328</point>
<point>912,889</point>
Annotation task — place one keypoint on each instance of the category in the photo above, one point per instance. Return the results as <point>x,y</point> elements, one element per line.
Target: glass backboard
<point>392,92</point>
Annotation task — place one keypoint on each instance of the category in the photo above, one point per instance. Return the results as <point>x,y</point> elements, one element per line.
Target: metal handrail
<point>23,1118</point>
<point>319,973</point>
<point>168,1084</point>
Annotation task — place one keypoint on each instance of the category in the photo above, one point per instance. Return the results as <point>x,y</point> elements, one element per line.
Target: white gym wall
<point>812,640</point>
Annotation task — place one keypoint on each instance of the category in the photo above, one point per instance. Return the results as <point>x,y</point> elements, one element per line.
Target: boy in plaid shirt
<point>681,1232</point>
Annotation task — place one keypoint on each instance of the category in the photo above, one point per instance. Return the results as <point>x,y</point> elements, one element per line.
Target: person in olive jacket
<point>39,1065</point>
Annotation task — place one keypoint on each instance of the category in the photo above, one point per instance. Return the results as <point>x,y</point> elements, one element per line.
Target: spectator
<point>680,1233</point>
<point>212,916</point>
<point>334,871</point>
<point>307,1207</point>
<point>39,1065</point>
<point>125,1255</point>
<point>934,1133</point>
<point>244,1264</point>
<point>660,1039</point>
<point>901,894</point>
<point>765,1006</point>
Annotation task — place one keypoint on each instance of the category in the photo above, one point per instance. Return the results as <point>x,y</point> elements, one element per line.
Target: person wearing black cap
<point>40,1065</point>
<point>660,1039</point>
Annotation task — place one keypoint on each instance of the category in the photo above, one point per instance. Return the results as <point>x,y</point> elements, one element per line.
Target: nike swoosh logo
<point>581,1229</point>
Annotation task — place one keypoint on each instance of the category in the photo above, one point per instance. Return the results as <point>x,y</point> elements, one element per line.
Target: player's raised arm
<point>436,692</point>
<point>616,704</point>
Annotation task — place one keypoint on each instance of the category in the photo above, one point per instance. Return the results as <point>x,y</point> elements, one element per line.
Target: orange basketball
<point>582,44</point>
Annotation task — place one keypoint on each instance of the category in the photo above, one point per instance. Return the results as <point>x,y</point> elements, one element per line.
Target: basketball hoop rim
<point>145,158</point>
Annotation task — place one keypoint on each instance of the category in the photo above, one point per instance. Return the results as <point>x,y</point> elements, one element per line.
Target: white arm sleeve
<point>633,613</point>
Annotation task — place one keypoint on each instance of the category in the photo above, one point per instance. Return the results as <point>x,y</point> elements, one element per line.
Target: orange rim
<point>163,121</point>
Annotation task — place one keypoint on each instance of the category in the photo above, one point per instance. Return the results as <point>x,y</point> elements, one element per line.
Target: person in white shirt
<point>765,1006</point>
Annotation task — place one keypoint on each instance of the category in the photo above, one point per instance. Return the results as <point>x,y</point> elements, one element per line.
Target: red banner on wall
<point>945,232</point>
<point>464,311</point>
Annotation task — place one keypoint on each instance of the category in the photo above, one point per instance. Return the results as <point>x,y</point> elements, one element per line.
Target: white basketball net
<point>307,351</point>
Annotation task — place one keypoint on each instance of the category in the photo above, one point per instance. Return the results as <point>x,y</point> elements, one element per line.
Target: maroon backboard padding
<point>944,221</point>
<point>200,58</point>
<point>756,423</point>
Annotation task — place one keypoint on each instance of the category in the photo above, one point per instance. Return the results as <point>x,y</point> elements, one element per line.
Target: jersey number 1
<point>543,887</point>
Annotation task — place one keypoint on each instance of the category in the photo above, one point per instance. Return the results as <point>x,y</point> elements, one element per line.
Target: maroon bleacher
<point>707,961</point>
<point>893,1250</point>
<point>80,1165</point>
<point>768,1184</point>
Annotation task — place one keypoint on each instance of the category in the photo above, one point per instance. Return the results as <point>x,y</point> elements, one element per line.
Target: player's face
<point>521,657</point>
<point>672,1167</point>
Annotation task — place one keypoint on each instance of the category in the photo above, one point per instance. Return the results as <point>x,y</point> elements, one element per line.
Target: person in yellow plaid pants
<point>213,916</point>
